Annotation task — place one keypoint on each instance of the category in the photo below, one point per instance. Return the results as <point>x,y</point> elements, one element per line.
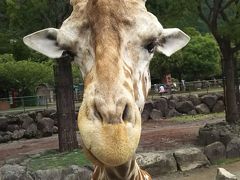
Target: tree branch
<point>216,10</point>
<point>227,5</point>
<point>210,9</point>
<point>224,16</point>
<point>201,14</point>
<point>236,48</point>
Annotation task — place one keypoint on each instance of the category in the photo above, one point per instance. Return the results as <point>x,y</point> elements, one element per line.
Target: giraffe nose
<point>112,113</point>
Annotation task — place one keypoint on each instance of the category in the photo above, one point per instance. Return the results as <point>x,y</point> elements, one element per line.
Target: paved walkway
<point>203,173</point>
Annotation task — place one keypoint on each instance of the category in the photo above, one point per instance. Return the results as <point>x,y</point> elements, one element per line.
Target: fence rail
<point>32,103</point>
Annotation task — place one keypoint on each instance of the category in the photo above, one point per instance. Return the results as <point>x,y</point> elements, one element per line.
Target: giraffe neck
<point>128,171</point>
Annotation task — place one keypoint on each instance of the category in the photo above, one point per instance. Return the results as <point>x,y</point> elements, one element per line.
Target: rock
<point>173,113</point>
<point>190,158</point>
<point>208,136</point>
<point>202,109</point>
<point>161,105</point>
<point>193,112</point>
<point>12,127</point>
<point>194,99</point>
<point>220,96</point>
<point>9,133</point>
<point>48,112</point>
<point>223,174</point>
<point>172,104</point>
<point>233,148</point>
<point>215,151</point>
<point>25,120</point>
<point>31,131</point>
<point>48,174</point>
<point>226,135</point>
<point>210,100</point>
<point>174,97</point>
<point>45,125</point>
<point>14,172</point>
<point>157,163</point>
<point>32,115</point>
<point>148,107</point>
<point>185,107</point>
<point>55,129</point>
<point>71,173</point>
<point>218,107</point>
<point>3,123</point>
<point>54,116</point>
<point>79,173</point>
<point>5,138</point>
<point>182,98</point>
<point>15,161</point>
<point>18,134</point>
<point>13,119</point>
<point>39,116</point>
<point>156,115</point>
<point>1,139</point>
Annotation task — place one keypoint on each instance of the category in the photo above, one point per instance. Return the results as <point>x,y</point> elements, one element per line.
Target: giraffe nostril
<point>125,115</point>
<point>97,114</point>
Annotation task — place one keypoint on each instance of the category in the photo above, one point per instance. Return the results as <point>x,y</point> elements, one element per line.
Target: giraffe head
<point>113,42</point>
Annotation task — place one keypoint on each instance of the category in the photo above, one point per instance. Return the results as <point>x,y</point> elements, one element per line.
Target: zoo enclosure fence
<point>35,103</point>
<point>32,103</point>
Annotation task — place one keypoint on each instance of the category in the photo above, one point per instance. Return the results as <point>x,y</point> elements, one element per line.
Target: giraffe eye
<point>151,46</point>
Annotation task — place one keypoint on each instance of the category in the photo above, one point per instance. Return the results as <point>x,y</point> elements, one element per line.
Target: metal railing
<point>33,103</point>
<point>197,87</point>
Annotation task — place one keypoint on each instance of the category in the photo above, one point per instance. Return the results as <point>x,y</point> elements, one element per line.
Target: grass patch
<point>198,117</point>
<point>54,159</point>
<point>227,161</point>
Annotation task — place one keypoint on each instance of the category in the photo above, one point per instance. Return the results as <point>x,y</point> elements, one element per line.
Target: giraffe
<point>113,42</point>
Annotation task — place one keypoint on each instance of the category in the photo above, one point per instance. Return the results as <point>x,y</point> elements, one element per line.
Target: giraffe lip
<point>88,150</point>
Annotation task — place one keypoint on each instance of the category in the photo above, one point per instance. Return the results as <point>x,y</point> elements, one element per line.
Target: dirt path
<point>167,134</point>
<point>26,147</point>
<point>161,135</point>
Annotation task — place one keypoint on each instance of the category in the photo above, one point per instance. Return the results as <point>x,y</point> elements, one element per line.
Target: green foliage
<point>77,78</point>
<point>172,13</point>
<point>24,75</point>
<point>199,117</point>
<point>29,16</point>
<point>227,161</point>
<point>4,58</point>
<point>19,18</point>
<point>55,159</point>
<point>200,59</point>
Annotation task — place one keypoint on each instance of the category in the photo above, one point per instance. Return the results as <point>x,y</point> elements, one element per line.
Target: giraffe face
<point>113,43</point>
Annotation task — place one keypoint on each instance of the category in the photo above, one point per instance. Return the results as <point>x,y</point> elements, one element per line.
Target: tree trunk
<point>231,107</point>
<point>237,83</point>
<point>65,105</point>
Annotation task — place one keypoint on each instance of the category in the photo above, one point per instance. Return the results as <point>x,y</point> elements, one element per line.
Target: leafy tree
<point>199,60</point>
<point>24,75</point>
<point>19,18</point>
<point>222,18</point>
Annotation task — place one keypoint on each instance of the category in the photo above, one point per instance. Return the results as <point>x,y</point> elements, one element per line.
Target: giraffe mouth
<point>91,156</point>
<point>109,144</point>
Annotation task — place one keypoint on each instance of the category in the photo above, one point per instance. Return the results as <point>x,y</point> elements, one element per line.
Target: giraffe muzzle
<point>110,132</point>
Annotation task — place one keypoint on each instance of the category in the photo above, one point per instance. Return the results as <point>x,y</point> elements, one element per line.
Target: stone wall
<point>179,105</point>
<point>44,123</point>
<point>28,125</point>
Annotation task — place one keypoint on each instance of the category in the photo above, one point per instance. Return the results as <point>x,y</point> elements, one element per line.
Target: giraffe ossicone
<point>113,43</point>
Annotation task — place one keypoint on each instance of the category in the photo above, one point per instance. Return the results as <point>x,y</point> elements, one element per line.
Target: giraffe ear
<point>45,42</point>
<point>172,40</point>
